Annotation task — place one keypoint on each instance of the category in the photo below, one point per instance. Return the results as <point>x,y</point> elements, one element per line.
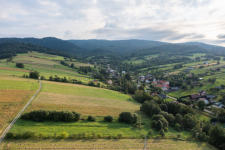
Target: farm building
<point>195,97</point>
<point>210,97</point>
<point>162,96</point>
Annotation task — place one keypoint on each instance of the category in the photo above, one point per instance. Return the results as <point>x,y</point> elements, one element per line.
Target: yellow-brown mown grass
<point>85,105</point>
<point>131,144</point>
<point>11,101</point>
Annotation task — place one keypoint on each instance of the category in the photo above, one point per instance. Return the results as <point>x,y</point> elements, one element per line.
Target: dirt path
<point>12,69</point>
<point>19,114</point>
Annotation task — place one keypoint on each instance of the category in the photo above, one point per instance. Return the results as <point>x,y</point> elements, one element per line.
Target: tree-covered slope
<point>7,49</point>
<point>49,42</point>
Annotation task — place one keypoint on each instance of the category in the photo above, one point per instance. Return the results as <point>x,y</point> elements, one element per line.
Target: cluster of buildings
<point>208,99</point>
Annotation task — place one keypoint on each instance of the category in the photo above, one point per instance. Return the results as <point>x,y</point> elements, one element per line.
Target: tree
<point>197,59</point>
<point>201,105</point>
<point>178,119</point>
<point>108,118</point>
<point>128,77</point>
<point>91,118</point>
<point>159,125</point>
<point>218,62</point>
<point>19,65</point>
<point>128,117</point>
<point>34,74</point>
<point>72,65</point>
<point>192,86</point>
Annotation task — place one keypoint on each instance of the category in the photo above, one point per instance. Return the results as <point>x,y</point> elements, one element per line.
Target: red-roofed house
<point>163,84</point>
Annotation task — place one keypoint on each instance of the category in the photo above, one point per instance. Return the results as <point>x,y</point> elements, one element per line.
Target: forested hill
<point>174,49</point>
<point>49,42</point>
<point>9,49</point>
<point>117,46</point>
<point>206,46</point>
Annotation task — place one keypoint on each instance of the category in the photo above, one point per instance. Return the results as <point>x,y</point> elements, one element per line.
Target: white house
<point>206,63</point>
<point>190,68</point>
<point>124,72</point>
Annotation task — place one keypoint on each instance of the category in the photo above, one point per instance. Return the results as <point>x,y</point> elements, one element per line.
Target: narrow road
<point>171,97</point>
<point>19,114</point>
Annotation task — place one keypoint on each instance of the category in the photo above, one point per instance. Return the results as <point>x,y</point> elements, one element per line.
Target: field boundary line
<point>19,114</point>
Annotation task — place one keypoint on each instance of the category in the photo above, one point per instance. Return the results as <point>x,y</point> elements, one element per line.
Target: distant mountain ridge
<point>118,46</point>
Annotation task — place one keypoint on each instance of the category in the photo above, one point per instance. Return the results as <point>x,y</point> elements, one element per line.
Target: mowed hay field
<point>87,101</point>
<point>84,99</point>
<point>14,93</point>
<point>128,144</point>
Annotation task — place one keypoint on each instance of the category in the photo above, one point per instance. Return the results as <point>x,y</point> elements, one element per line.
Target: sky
<point>174,21</point>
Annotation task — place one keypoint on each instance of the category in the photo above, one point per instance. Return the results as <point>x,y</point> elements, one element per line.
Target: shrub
<point>99,135</point>
<point>128,117</point>
<point>63,135</point>
<point>45,115</point>
<point>150,132</point>
<point>159,125</point>
<point>108,118</point>
<point>91,118</point>
<point>10,135</point>
<point>119,136</point>
<point>177,127</point>
<point>28,134</point>
<point>162,133</point>
<point>166,129</point>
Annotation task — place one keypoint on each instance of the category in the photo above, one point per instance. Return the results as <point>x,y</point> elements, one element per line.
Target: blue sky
<point>172,21</point>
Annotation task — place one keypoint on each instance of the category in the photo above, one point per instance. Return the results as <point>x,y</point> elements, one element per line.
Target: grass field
<point>14,93</point>
<point>88,101</point>
<point>131,144</point>
<point>46,64</point>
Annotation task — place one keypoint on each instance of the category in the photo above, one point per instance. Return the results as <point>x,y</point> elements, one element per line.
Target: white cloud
<point>169,21</point>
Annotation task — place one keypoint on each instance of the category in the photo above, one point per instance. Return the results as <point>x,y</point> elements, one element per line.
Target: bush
<point>28,134</point>
<point>159,125</point>
<point>63,135</point>
<point>177,127</point>
<point>19,65</point>
<point>99,135</point>
<point>128,117</point>
<point>120,136</point>
<point>10,135</point>
<point>108,118</point>
<point>91,118</point>
<point>45,115</point>
<point>166,129</point>
<point>162,133</point>
<point>150,132</point>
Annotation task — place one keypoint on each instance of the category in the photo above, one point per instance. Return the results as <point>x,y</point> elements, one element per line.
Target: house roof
<point>190,75</point>
<point>162,95</point>
<point>174,88</point>
<point>219,87</point>
<point>210,96</point>
<point>194,96</point>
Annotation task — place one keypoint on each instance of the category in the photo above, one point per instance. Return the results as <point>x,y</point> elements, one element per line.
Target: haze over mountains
<point>106,46</point>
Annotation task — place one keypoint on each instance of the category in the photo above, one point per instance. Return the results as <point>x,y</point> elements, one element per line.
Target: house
<point>153,94</point>
<point>212,73</point>
<point>146,81</point>
<point>194,97</point>
<point>148,76</point>
<point>190,68</point>
<point>205,100</point>
<point>123,72</point>
<point>163,84</point>
<point>186,71</point>
<point>201,75</point>
<point>200,78</point>
<point>218,87</point>
<point>205,63</point>
<point>210,97</point>
<point>174,89</point>
<point>212,102</point>
<point>202,93</point>
<point>195,82</point>
<point>189,75</point>
<point>109,82</point>
<point>162,96</point>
